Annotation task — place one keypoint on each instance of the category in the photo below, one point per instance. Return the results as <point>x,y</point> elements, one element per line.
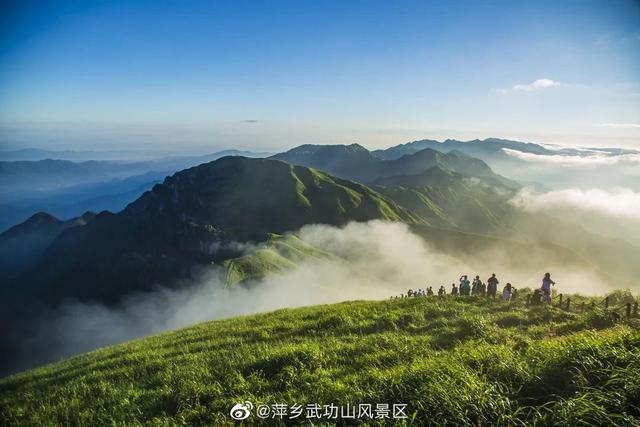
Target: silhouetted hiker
<point>506,292</point>
<point>442,291</point>
<point>492,286</point>
<point>514,293</point>
<point>546,287</point>
<point>454,290</point>
<point>475,286</point>
<point>483,289</point>
<point>430,291</point>
<point>410,293</point>
<point>465,287</point>
<point>536,298</point>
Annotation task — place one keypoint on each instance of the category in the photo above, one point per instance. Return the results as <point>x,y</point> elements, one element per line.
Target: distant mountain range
<point>35,154</point>
<point>20,176</point>
<point>543,167</point>
<point>357,163</point>
<point>478,148</point>
<point>490,149</point>
<point>236,212</point>
<point>68,202</point>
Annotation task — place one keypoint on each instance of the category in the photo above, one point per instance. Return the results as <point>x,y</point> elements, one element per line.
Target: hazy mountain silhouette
<point>486,149</point>
<point>22,244</point>
<point>68,202</point>
<point>56,173</point>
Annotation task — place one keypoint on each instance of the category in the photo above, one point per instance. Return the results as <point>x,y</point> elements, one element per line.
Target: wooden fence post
<point>593,305</point>
<point>606,303</point>
<point>568,303</point>
<point>582,307</point>
<point>560,296</point>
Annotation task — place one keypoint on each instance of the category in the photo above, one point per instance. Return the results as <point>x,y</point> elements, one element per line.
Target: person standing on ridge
<point>454,290</point>
<point>546,287</point>
<point>465,286</point>
<point>492,286</point>
<point>506,292</point>
<point>475,286</point>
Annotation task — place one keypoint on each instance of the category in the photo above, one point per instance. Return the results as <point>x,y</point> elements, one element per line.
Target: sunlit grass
<point>454,362</point>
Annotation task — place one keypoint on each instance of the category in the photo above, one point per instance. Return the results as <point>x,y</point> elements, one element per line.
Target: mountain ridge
<point>23,243</point>
<point>355,162</point>
<point>191,219</point>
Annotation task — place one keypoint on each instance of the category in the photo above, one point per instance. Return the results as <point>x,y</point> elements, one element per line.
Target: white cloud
<point>620,125</point>
<point>596,159</point>
<point>561,148</point>
<point>536,85</point>
<point>619,202</point>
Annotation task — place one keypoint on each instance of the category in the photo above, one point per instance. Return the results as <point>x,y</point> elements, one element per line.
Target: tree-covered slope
<point>450,361</point>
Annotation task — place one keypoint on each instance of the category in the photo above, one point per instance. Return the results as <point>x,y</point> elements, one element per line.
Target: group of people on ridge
<point>425,292</point>
<point>489,289</point>
<point>479,288</point>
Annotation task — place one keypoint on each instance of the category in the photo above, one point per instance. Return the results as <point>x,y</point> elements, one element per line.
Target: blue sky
<point>271,74</point>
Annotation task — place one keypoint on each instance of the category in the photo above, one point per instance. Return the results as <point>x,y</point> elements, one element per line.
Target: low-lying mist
<point>374,260</point>
<point>614,212</point>
<point>589,168</point>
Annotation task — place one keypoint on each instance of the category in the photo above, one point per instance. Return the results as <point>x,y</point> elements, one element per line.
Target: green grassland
<point>278,254</point>
<point>465,361</point>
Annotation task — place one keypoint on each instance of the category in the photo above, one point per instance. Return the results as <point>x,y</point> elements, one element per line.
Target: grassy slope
<point>452,361</point>
<point>278,254</point>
